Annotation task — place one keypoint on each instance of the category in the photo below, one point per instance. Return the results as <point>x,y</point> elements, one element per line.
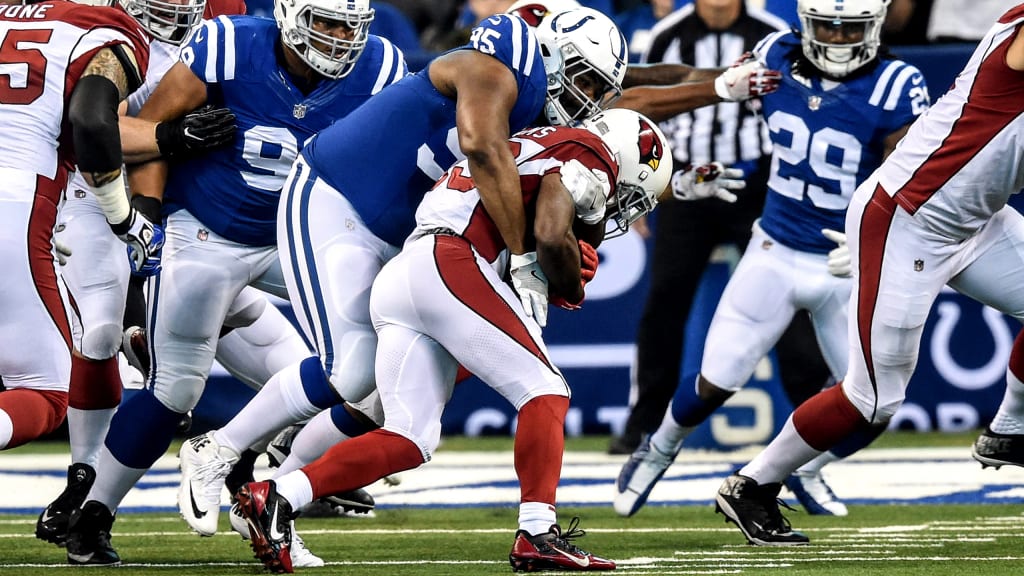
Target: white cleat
<point>815,495</point>
<point>638,476</point>
<point>204,466</point>
<point>301,556</point>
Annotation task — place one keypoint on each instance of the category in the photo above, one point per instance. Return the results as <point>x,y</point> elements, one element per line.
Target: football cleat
<point>136,349</point>
<point>353,503</point>
<point>204,466</point>
<point>88,541</point>
<point>269,517</point>
<point>755,510</point>
<point>638,476</point>
<point>815,494</point>
<point>281,446</point>
<point>997,450</point>
<point>553,550</point>
<point>301,556</point>
<point>52,525</point>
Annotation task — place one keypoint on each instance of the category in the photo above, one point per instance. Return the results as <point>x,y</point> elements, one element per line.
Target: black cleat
<point>135,347</point>
<point>755,510</point>
<point>995,449</point>
<point>88,540</point>
<point>553,550</point>
<point>52,525</point>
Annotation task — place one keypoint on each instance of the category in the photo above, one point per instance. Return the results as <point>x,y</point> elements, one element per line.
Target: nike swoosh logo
<point>82,558</point>
<point>46,516</point>
<point>191,498</point>
<point>581,563</point>
<point>274,533</point>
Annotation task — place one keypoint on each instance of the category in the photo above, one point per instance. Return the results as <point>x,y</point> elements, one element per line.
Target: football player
<point>97,276</point>
<point>934,214</point>
<point>284,79</point>
<point>841,108</point>
<point>96,57</point>
<point>445,301</point>
<point>462,105</point>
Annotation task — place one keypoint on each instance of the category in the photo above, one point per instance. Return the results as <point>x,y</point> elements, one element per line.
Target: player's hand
<point>588,269</point>
<point>530,283</point>
<point>61,250</point>
<point>707,181</point>
<point>144,240</point>
<point>747,78</point>
<point>202,129</point>
<point>839,264</point>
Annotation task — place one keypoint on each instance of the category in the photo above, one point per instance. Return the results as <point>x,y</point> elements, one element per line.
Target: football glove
<point>747,78</point>
<point>61,250</point>
<point>588,268</point>
<point>531,285</point>
<point>202,129</point>
<point>144,240</point>
<point>707,181</point>
<point>839,264</point>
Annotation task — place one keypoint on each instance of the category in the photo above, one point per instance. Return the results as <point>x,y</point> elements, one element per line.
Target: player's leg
<point>201,275</point>
<point>97,277</point>
<point>756,306</point>
<point>888,308</point>
<point>996,278</point>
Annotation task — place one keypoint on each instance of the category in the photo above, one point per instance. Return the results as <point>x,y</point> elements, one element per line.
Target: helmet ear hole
<point>644,164</point>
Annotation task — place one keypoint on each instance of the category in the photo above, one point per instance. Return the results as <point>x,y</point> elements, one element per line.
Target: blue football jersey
<point>827,138</point>
<point>235,190</point>
<point>386,155</point>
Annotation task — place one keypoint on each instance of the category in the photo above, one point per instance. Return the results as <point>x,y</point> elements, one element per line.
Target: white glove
<point>745,80</point>
<point>60,249</point>
<point>839,264</point>
<point>531,285</point>
<point>589,190</point>
<point>707,181</point>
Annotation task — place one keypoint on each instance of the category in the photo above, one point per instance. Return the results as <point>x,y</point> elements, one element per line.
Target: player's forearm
<point>138,140</point>
<point>560,261</point>
<point>148,179</point>
<point>664,74</point>
<point>660,103</point>
<point>497,180</point>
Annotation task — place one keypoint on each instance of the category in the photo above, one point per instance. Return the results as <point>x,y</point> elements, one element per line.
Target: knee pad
<point>182,396</point>
<point>101,341</point>
<point>352,374</point>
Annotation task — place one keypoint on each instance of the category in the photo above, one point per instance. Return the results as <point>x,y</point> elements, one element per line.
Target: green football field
<point>932,540</point>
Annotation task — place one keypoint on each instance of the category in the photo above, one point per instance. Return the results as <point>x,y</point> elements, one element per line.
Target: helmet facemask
<point>304,25</point>
<point>168,21</point>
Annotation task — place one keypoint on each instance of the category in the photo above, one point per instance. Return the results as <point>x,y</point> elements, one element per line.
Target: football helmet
<point>824,22</point>
<point>585,60</point>
<point>536,11</point>
<point>645,164</point>
<point>167,20</point>
<point>329,55</point>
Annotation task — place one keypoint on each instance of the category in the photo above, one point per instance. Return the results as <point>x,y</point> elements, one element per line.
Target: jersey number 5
<point>23,70</point>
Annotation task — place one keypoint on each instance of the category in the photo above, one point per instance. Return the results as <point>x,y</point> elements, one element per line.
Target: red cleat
<point>554,551</point>
<point>269,517</point>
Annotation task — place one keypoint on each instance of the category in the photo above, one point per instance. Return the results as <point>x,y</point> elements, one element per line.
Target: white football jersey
<point>963,158</point>
<point>454,202</point>
<point>43,50</point>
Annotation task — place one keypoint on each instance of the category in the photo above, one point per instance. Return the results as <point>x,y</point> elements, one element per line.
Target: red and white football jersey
<point>454,202</point>
<point>43,50</point>
<point>964,157</point>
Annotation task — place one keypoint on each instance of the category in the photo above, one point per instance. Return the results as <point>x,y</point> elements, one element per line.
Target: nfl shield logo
<point>299,111</point>
<point>203,234</point>
<point>918,265</point>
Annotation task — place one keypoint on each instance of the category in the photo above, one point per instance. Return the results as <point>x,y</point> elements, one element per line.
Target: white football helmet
<point>583,51</point>
<point>645,164</point>
<point>853,17</point>
<point>167,20</point>
<point>330,56</point>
